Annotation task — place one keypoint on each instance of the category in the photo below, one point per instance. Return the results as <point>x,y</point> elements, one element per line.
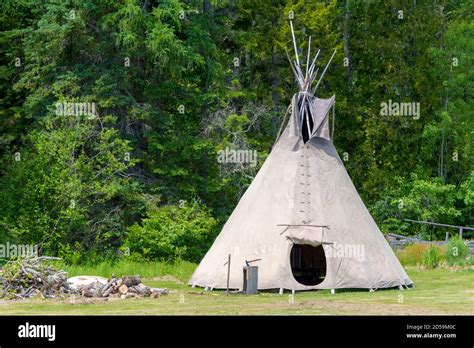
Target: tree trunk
<point>441,158</point>
<point>206,6</point>
<point>345,39</point>
<point>275,80</point>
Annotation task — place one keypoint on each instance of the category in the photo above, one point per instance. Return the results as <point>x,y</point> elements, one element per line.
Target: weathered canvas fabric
<point>302,184</point>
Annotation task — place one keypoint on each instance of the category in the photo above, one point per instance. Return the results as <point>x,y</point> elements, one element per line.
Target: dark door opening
<point>308,264</point>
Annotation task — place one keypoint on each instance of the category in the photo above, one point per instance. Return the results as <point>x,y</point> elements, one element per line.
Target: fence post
<point>460,232</point>
<point>228,275</point>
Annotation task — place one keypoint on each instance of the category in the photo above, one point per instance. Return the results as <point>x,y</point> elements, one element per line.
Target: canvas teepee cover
<point>302,196</point>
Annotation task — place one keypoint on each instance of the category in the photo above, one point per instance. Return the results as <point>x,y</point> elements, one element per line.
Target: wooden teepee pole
<point>294,42</point>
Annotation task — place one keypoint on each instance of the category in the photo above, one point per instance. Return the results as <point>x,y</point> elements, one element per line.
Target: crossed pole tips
<point>306,81</point>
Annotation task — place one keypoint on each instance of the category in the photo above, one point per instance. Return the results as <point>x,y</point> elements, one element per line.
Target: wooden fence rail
<point>398,241</point>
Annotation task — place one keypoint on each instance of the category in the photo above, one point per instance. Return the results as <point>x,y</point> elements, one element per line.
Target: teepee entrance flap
<point>310,234</point>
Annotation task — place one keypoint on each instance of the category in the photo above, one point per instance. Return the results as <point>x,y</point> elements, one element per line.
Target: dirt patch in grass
<point>168,279</point>
<point>351,308</point>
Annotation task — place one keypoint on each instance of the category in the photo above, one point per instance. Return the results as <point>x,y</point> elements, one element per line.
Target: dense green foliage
<point>171,233</point>
<point>175,81</point>
<point>431,257</point>
<point>457,252</point>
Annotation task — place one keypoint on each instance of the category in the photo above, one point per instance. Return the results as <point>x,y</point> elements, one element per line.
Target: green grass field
<point>439,291</point>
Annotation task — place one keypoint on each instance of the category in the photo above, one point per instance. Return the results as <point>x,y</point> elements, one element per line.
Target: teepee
<point>301,218</point>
